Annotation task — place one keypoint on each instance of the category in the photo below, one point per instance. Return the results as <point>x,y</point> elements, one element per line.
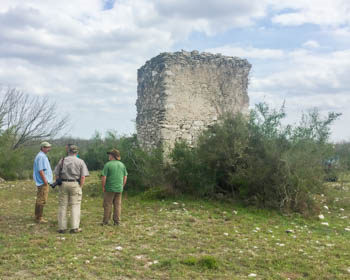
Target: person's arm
<point>103,182</point>
<point>58,168</point>
<point>42,175</point>
<point>124,180</point>
<point>82,181</point>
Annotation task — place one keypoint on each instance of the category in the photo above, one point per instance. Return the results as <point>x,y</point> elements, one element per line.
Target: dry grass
<point>177,238</point>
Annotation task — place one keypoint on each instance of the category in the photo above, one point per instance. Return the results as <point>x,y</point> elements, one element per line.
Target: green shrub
<point>187,173</point>
<point>258,160</point>
<point>145,169</point>
<point>206,262</point>
<point>212,166</point>
<point>190,261</point>
<point>96,154</point>
<point>11,161</point>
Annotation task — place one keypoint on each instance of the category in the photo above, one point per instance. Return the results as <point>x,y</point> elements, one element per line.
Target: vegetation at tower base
<point>252,158</point>
<point>258,160</point>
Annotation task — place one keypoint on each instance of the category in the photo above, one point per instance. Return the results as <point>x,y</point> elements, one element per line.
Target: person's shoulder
<point>81,161</point>
<point>73,158</point>
<point>40,155</point>
<point>110,163</point>
<point>121,163</point>
<point>115,163</point>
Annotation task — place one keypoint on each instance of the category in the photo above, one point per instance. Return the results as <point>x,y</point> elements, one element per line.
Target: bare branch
<point>29,118</point>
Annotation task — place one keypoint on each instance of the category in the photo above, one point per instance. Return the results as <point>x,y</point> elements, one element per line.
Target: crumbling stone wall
<point>180,94</point>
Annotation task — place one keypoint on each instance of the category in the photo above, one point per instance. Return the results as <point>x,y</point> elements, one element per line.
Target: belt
<point>69,180</point>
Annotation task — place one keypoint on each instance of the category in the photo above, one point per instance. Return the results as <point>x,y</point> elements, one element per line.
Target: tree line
<point>254,159</point>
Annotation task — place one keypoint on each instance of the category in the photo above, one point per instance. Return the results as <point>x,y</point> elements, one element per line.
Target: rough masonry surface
<point>179,94</point>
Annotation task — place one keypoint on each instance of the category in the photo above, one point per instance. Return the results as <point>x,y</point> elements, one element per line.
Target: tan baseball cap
<point>45,144</point>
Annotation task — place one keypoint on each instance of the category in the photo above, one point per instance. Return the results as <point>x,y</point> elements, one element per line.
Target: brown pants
<point>112,199</point>
<point>41,198</point>
<point>42,194</point>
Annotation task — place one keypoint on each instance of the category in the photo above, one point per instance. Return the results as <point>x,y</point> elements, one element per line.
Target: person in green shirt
<point>113,180</point>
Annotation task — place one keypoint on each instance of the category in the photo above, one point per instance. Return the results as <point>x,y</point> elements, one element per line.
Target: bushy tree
<point>257,159</point>
<point>145,168</point>
<point>96,154</point>
<point>11,162</point>
<point>212,166</point>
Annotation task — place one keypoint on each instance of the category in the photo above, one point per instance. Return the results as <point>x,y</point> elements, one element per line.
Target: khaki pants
<point>42,195</point>
<point>41,198</point>
<point>70,193</point>
<point>112,199</point>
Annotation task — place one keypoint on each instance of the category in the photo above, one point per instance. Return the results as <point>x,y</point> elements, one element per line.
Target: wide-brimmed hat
<point>73,149</point>
<point>115,153</point>
<point>45,144</point>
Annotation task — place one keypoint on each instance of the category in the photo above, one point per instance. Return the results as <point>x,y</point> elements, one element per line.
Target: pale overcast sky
<point>84,54</point>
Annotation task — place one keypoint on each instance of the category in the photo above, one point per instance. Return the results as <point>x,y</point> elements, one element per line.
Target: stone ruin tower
<point>180,94</point>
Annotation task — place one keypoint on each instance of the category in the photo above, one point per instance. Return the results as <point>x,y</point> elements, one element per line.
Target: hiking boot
<point>39,214</point>
<point>62,231</point>
<point>75,230</point>
<point>41,221</point>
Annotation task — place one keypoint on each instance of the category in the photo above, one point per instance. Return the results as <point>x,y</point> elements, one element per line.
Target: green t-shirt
<point>115,171</point>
